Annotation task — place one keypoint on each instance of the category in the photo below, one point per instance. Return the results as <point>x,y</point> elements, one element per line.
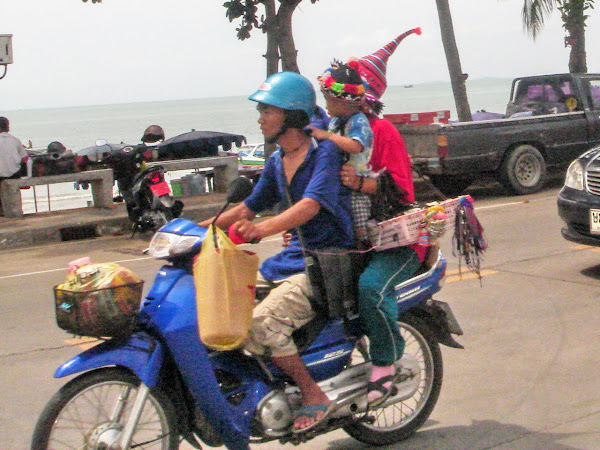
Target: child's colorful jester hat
<point>372,69</point>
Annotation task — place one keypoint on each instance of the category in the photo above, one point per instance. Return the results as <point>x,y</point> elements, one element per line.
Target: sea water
<point>79,127</point>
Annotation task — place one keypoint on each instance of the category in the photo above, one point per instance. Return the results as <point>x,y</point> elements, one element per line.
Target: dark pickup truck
<point>549,121</point>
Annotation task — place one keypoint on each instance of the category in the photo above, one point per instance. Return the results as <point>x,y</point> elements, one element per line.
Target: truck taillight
<point>442,143</point>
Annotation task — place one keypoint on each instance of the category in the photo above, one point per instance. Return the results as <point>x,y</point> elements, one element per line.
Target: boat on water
<point>252,160</point>
<point>252,154</point>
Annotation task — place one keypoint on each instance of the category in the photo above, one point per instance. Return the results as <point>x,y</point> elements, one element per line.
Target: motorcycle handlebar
<point>237,239</point>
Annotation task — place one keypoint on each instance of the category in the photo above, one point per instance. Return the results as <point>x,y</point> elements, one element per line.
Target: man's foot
<point>308,415</point>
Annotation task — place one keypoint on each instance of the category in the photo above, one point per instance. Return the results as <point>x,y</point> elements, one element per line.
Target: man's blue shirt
<point>318,177</point>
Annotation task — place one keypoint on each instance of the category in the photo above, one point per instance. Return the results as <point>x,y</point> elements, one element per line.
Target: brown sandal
<point>378,386</point>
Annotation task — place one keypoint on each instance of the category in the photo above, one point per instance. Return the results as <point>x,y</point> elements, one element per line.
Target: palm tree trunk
<point>457,78</point>
<point>272,31</point>
<point>573,17</point>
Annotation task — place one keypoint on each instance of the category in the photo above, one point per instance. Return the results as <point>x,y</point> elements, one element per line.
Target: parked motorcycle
<point>161,384</point>
<point>147,195</point>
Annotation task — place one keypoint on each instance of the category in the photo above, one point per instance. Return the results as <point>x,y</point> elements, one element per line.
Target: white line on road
<point>521,202</point>
<point>62,269</point>
<point>500,205</point>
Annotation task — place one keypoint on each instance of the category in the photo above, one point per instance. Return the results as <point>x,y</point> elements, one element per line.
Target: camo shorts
<point>283,311</point>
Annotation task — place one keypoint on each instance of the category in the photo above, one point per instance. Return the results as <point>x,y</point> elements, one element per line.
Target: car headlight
<point>574,177</point>
<point>170,245</point>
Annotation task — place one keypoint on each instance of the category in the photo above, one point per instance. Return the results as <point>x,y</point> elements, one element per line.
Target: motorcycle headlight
<point>574,177</point>
<point>169,245</point>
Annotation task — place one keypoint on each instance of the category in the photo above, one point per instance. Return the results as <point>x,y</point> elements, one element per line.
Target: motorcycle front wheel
<point>91,411</point>
<point>398,421</point>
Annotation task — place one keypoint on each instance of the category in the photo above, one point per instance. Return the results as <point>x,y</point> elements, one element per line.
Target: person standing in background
<point>13,156</point>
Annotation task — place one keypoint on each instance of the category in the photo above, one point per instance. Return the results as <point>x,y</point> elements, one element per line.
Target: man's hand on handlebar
<point>244,231</point>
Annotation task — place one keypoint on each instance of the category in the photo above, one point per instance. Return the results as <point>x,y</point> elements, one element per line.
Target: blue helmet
<point>287,90</point>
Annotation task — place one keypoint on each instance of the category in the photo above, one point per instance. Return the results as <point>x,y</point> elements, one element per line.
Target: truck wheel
<point>450,185</point>
<point>524,170</point>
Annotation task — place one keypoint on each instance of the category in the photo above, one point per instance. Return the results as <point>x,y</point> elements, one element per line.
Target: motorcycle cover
<point>225,280</point>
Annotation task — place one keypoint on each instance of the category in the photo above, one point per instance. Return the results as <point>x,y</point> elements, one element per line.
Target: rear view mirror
<point>239,189</point>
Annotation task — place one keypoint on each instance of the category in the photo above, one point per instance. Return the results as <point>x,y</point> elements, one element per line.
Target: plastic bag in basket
<point>99,300</point>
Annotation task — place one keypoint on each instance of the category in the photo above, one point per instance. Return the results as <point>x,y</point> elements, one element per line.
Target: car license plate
<point>595,221</point>
<point>160,189</point>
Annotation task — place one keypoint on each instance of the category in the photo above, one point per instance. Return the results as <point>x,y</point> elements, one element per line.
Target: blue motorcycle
<point>160,385</point>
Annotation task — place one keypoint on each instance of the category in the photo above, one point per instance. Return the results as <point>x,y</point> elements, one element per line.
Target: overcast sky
<point>69,53</point>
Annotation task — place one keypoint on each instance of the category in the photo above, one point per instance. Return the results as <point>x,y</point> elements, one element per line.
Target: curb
<point>85,223</point>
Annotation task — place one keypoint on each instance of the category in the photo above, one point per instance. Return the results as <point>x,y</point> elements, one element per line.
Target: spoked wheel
<point>90,412</point>
<point>406,412</point>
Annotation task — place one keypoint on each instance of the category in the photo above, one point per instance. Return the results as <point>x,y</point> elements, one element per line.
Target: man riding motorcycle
<point>320,207</point>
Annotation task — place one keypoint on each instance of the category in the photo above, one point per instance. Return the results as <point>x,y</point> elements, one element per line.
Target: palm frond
<point>534,14</point>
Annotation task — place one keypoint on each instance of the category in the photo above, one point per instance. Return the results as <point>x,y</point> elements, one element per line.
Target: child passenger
<point>344,92</point>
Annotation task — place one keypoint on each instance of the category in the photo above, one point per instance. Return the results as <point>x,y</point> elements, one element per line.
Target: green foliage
<point>573,13</point>
<point>247,10</point>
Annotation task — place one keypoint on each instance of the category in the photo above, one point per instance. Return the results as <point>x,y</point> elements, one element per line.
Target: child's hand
<point>287,237</point>
<point>349,177</point>
<point>317,133</point>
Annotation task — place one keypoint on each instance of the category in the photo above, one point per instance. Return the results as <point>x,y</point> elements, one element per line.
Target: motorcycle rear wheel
<point>401,420</point>
<point>79,414</point>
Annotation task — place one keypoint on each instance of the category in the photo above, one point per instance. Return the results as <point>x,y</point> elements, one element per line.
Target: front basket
<point>106,312</point>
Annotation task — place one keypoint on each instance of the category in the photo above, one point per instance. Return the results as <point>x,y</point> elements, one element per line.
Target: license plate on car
<point>595,221</point>
<point>160,189</point>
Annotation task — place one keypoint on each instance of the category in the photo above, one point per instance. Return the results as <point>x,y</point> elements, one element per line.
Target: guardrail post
<point>225,174</point>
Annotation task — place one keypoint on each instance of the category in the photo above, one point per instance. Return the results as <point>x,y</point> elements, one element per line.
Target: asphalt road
<point>527,379</point>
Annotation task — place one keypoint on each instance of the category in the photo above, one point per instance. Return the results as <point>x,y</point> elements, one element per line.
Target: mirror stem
<point>215,219</point>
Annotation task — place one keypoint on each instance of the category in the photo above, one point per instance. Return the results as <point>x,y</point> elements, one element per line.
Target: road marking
<point>83,342</point>
<point>520,202</point>
<point>64,269</point>
<point>452,276</point>
<point>584,247</point>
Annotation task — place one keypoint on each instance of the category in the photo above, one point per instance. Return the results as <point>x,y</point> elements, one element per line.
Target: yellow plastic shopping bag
<point>225,279</point>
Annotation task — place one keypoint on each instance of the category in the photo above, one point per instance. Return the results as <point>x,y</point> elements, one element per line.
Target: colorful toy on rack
<point>416,225</point>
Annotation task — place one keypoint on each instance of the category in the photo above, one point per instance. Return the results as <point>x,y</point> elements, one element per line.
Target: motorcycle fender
<point>167,201</point>
<point>444,323</point>
<point>140,353</point>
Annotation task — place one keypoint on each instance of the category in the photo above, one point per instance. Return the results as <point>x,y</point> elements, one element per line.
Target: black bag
<point>390,200</point>
<point>333,274</point>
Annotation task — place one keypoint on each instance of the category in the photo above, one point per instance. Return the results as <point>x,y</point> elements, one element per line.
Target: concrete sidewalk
<point>82,223</point>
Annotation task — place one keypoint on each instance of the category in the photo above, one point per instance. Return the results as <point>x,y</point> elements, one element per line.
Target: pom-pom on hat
<point>372,68</point>
<point>343,81</point>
